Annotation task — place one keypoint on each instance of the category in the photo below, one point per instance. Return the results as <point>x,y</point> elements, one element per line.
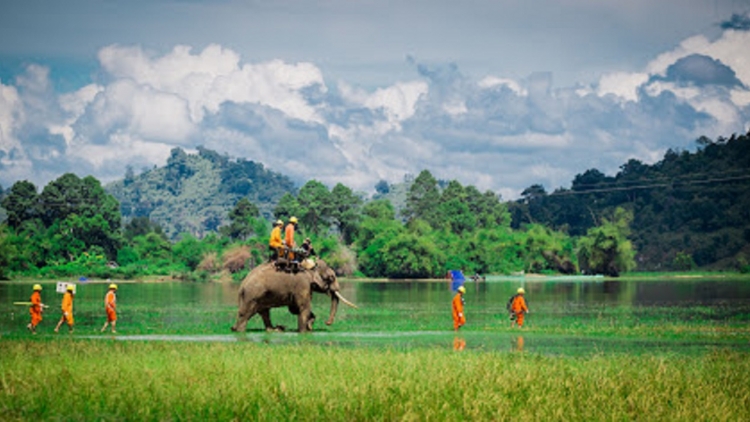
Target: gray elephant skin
<point>265,287</point>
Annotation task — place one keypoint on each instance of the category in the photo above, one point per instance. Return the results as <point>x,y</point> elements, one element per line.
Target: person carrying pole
<point>67,309</point>
<point>36,308</point>
<point>110,306</point>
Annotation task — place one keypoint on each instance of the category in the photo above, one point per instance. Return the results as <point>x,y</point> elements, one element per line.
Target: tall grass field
<point>74,379</point>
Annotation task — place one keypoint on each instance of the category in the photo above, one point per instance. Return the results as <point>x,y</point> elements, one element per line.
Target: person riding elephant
<point>265,288</point>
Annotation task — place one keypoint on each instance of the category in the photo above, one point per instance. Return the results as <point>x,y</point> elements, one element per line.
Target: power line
<point>674,184</point>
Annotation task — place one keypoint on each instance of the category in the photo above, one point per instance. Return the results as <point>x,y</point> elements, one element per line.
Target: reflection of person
<point>289,236</point>
<point>67,308</point>
<point>518,344</point>
<point>518,308</point>
<point>458,309</point>
<point>36,308</point>
<point>274,243</point>
<point>459,343</point>
<point>110,306</point>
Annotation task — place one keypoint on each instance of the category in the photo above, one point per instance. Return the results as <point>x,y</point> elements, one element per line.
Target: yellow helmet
<point>70,288</point>
<point>521,291</point>
<point>462,289</point>
<point>293,220</point>
<point>37,287</point>
<point>278,223</point>
<point>113,286</point>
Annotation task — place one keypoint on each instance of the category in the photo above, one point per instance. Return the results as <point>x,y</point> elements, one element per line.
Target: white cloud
<point>622,84</point>
<point>490,82</point>
<point>10,114</point>
<point>213,76</point>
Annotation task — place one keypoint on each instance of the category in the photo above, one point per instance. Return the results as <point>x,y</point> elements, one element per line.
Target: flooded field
<point>568,316</point>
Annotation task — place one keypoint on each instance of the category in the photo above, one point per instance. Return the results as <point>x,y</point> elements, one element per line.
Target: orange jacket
<point>67,303</point>
<point>458,308</point>
<point>289,235</point>
<point>275,241</point>
<point>519,305</point>
<point>110,300</point>
<point>36,302</point>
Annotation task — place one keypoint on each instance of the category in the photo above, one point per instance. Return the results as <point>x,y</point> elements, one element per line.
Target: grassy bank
<point>65,379</point>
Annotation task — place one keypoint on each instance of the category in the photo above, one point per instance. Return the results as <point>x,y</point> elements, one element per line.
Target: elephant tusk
<point>343,299</point>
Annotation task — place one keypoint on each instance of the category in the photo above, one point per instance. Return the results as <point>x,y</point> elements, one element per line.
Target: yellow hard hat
<point>293,220</point>
<point>113,286</point>
<point>37,287</point>
<point>521,291</point>
<point>70,288</point>
<point>462,289</point>
<point>278,223</point>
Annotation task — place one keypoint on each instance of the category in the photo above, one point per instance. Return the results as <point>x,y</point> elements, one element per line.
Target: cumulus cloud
<point>494,132</point>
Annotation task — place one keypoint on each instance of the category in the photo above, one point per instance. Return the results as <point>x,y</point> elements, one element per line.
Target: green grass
<point>68,379</point>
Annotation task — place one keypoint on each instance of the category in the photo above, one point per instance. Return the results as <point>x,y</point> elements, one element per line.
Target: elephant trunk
<point>334,307</point>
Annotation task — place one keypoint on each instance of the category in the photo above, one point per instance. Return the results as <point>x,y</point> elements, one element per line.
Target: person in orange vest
<point>274,243</point>
<point>518,308</point>
<point>67,309</point>
<point>110,306</point>
<point>289,237</point>
<point>36,308</point>
<point>458,309</point>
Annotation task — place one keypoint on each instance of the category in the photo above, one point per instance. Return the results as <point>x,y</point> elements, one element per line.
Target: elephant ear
<point>326,272</point>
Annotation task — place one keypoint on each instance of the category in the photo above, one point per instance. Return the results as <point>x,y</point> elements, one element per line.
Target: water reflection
<point>459,343</point>
<point>417,314</point>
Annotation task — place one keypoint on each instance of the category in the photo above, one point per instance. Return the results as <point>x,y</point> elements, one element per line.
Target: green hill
<point>194,193</point>
<point>690,209</point>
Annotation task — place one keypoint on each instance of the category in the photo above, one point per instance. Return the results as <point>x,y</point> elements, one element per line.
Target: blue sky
<point>499,94</point>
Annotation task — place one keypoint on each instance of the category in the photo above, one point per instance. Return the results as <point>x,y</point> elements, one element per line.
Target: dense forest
<point>204,216</point>
<point>689,209</point>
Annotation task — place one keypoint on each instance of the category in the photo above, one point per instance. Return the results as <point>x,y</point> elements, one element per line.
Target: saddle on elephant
<point>294,260</point>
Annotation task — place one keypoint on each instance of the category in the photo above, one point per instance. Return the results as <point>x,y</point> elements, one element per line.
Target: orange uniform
<point>110,305</point>
<point>458,311</point>
<point>275,241</point>
<point>67,308</point>
<point>36,309</point>
<point>519,308</point>
<point>289,235</point>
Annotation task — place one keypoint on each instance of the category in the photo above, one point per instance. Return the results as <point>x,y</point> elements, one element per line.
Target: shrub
<point>209,262</point>
<point>235,258</point>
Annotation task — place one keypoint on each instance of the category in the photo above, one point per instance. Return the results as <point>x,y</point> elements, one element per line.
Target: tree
<point>454,210</point>
<point>423,199</point>
<point>315,207</point>
<point>241,218</point>
<point>81,210</point>
<point>21,203</point>
<point>7,252</point>
<point>605,249</point>
<point>345,211</point>
<point>287,207</point>
<point>382,187</point>
<point>140,226</point>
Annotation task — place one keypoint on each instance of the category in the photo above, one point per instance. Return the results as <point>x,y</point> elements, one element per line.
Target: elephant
<point>266,287</point>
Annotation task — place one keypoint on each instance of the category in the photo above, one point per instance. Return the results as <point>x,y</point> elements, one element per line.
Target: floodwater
<point>568,315</point>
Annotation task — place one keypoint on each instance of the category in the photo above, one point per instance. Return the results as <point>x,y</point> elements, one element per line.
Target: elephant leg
<point>305,318</point>
<point>310,321</point>
<point>266,315</point>
<point>246,311</point>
